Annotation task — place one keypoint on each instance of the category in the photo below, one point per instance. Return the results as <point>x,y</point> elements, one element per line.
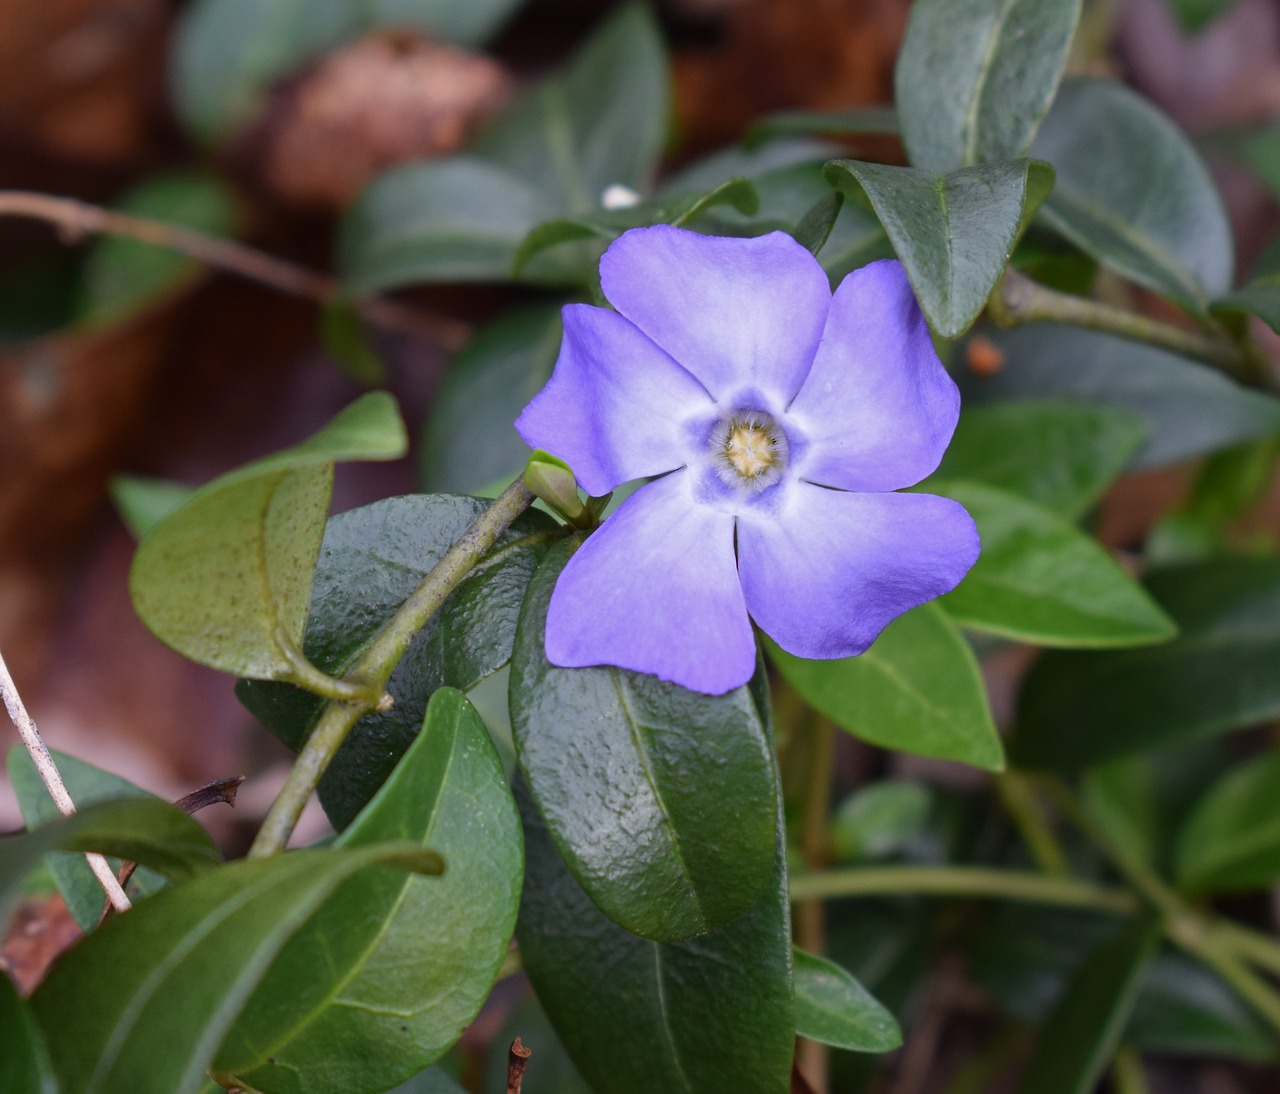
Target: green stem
<point>1127,1075</point>
<point>964,881</point>
<point>370,674</point>
<point>1018,798</point>
<point>1017,300</point>
<point>1262,950</point>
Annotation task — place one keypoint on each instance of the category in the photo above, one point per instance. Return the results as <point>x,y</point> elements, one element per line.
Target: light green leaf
<point>1039,579</point>
<point>1057,453</point>
<point>1078,709</point>
<point>834,1009</point>
<point>86,784</point>
<point>144,502</point>
<point>225,578</point>
<point>1133,193</point>
<point>143,1002</point>
<point>975,78</point>
<point>954,233</point>
<point>1232,840</point>
<point>612,759</point>
<point>379,983</point>
<point>917,689</point>
<point>879,819</point>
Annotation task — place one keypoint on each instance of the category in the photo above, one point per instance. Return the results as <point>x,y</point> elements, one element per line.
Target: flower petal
<point>737,313</point>
<point>877,408</point>
<point>614,405</point>
<point>825,577</point>
<point>655,590</point>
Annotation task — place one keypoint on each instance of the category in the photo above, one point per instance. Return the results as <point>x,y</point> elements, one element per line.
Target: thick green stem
<point>963,881</point>
<point>1017,300</point>
<point>370,674</point>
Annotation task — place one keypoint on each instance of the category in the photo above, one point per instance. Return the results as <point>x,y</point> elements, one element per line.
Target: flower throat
<point>749,450</point>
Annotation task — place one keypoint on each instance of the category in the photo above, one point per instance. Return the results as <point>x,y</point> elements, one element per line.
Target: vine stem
<point>970,881</point>
<point>76,218</point>
<point>52,779</point>
<point>369,675</point>
<point>1017,300</point>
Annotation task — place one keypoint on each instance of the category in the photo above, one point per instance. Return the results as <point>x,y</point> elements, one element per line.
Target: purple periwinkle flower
<point>778,418</point>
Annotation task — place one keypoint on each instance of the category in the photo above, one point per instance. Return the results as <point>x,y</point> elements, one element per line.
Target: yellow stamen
<point>750,449</point>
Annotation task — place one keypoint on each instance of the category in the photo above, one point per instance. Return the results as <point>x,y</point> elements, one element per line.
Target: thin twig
<point>52,780</point>
<point>77,218</point>
<point>517,1060</point>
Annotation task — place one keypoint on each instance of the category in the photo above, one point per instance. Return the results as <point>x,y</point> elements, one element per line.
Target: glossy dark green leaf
<point>711,1015</point>
<point>1083,1031</point>
<point>621,766</point>
<point>1133,193</point>
<point>24,1059</point>
<point>86,784</point>
<point>917,689</point>
<point>1232,840</point>
<point>121,276</point>
<point>226,577</point>
<point>865,120</point>
<point>598,122</point>
<point>1188,409</point>
<point>879,819</point>
<point>469,439</point>
<point>1219,674</point>
<point>833,1008</point>
<point>975,77</point>
<point>386,976</point>
<point>954,233</point>
<point>142,1003</point>
<point>1040,579</point>
<point>227,53</point>
<point>371,560</point>
<point>1057,453</point>
<point>142,830</point>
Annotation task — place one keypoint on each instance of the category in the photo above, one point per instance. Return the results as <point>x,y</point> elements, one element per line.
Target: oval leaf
<point>379,984</point>
<point>1039,579</point>
<point>833,1008</point>
<point>142,1003</point>
<point>619,764</point>
<point>954,233</point>
<point>371,561</point>
<point>1133,193</point>
<point>975,78</point>
<point>917,689</point>
<point>714,1014</point>
<point>1232,840</point>
<point>225,578</point>
<point>1187,409</point>
<point>1219,674</point>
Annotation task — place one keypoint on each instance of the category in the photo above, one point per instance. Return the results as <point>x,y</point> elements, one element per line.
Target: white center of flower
<point>749,450</point>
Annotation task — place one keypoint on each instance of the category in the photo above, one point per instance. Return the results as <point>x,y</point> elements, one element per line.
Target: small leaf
<point>86,784</point>
<point>614,760</point>
<point>1187,409</point>
<point>1121,798</point>
<point>954,233</point>
<point>380,983</point>
<point>598,122</point>
<point>814,228</point>
<point>1133,193</point>
<point>1084,1029</point>
<point>347,341</point>
<point>153,833</point>
<point>917,689</point>
<point>714,1013</point>
<point>834,1009</point>
<point>975,78</point>
<point>868,120</point>
<point>1078,709</point>
<point>1232,840</point>
<point>371,561</point>
<point>225,578</point>
<point>1196,15</point>
<point>145,502</point>
<point>142,1003</point>
<point>1039,579</point>
<point>879,820</point>
<point>1059,454</point>
<point>24,1059</point>
<point>1260,295</point>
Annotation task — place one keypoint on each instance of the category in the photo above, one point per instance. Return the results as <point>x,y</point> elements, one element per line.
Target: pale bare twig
<point>52,780</point>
